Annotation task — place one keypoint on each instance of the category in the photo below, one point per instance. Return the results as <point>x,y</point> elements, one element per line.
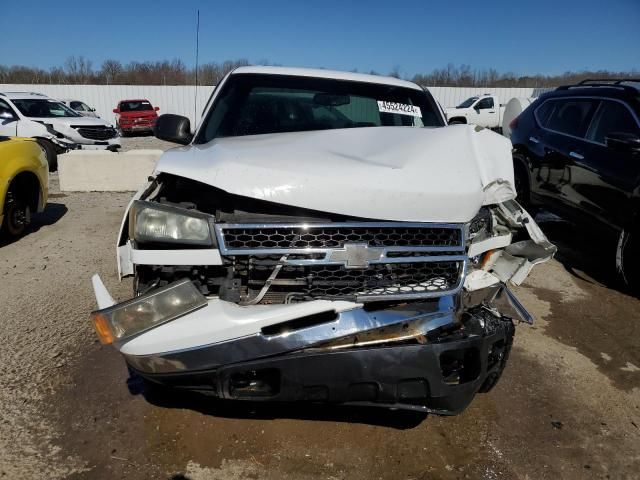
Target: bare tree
<point>78,70</point>
<point>110,71</point>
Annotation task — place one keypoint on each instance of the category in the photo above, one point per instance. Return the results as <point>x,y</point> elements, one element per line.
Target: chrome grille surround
<point>353,250</point>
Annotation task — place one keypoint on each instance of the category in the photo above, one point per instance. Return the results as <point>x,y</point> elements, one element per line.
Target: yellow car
<point>24,183</point>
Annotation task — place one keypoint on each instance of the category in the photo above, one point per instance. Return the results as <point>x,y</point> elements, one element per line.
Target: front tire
<point>16,217</point>
<point>628,258</point>
<point>51,153</point>
<point>521,179</point>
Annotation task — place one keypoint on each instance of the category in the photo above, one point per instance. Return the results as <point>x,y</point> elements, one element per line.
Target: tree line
<point>81,71</point>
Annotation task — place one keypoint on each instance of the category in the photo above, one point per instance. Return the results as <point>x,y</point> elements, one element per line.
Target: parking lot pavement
<point>567,407</point>
<point>144,140</point>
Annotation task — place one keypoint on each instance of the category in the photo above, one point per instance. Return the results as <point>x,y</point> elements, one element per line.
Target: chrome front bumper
<point>433,355</point>
<point>223,333</point>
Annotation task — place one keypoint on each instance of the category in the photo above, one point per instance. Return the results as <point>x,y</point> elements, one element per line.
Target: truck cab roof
<point>332,74</point>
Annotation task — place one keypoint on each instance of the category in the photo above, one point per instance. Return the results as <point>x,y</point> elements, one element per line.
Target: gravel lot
<point>567,407</point>
<point>144,141</point>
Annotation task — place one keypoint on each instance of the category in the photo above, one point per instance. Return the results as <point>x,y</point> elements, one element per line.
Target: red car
<point>135,116</point>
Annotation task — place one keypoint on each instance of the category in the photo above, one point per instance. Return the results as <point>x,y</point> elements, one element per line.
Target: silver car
<point>80,107</point>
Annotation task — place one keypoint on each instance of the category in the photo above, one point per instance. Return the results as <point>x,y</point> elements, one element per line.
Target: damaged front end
<point>248,299</point>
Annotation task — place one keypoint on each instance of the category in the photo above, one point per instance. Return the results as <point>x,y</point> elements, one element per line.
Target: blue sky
<point>524,37</point>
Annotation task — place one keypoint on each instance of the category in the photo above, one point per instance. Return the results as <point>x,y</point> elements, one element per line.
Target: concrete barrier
<point>104,171</point>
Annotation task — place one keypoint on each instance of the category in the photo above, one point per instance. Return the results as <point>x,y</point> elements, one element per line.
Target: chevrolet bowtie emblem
<point>356,255</point>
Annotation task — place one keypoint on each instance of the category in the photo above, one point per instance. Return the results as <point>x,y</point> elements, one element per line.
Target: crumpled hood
<point>386,173</point>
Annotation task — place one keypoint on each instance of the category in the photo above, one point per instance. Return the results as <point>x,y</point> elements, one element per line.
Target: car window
<point>571,116</point>
<point>611,117</point>
<point>85,107</point>
<point>42,108</point>
<point>543,112</point>
<point>468,102</point>
<point>252,104</point>
<point>5,108</point>
<point>135,106</point>
<point>485,103</point>
<point>77,106</point>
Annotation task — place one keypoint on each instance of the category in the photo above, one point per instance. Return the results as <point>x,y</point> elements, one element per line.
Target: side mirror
<point>92,109</point>
<point>173,128</point>
<point>623,142</point>
<point>156,108</point>
<point>116,110</point>
<point>476,108</point>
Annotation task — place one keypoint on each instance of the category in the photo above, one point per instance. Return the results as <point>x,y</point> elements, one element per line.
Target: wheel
<point>16,217</point>
<point>52,154</point>
<point>456,122</point>
<point>499,354</point>
<point>521,179</point>
<point>628,258</point>
<point>123,133</point>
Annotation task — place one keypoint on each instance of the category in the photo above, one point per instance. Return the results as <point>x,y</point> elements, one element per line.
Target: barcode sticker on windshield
<point>399,108</point>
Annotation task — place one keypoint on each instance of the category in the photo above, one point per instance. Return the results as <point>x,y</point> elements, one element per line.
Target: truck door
<point>607,174</point>
<point>8,120</point>
<point>486,113</point>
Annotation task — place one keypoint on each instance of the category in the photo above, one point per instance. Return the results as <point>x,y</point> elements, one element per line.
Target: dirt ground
<point>144,140</point>
<point>568,405</point>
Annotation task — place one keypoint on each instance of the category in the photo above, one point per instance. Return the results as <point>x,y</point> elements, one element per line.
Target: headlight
<point>152,222</point>
<point>481,225</point>
<point>135,316</point>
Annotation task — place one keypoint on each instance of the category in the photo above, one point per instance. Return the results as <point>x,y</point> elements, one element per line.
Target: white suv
<point>54,125</point>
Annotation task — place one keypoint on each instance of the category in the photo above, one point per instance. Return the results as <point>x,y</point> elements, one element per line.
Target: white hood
<point>385,173</point>
<point>68,121</point>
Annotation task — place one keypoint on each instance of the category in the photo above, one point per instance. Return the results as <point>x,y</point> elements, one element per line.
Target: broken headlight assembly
<point>52,131</point>
<point>481,225</point>
<point>124,320</point>
<point>158,223</point>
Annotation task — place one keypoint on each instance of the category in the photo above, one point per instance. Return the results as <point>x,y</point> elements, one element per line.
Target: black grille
<point>296,283</point>
<point>97,132</point>
<point>336,237</point>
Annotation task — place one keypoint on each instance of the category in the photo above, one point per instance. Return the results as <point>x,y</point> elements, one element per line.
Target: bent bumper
<point>80,143</point>
<point>431,356</point>
<point>440,376</point>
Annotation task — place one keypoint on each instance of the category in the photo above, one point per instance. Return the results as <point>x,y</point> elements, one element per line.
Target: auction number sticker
<point>399,108</point>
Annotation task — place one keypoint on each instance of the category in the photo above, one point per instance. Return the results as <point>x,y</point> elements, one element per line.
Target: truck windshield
<point>468,102</point>
<point>135,106</point>
<point>42,108</point>
<point>254,104</point>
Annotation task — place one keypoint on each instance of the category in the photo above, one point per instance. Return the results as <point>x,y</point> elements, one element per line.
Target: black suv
<point>576,152</point>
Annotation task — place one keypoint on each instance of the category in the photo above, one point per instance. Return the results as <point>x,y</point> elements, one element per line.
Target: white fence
<point>176,99</point>
<point>181,99</point>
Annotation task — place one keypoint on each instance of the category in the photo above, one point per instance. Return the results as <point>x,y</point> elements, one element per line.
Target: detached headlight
<point>153,222</point>
<point>142,313</point>
<point>481,225</point>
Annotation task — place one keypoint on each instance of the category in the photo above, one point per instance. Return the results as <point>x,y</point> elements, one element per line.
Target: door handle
<point>492,111</point>
<point>576,155</point>
<point>534,139</point>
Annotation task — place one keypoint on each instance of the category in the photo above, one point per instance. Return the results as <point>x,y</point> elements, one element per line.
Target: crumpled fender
<point>509,262</point>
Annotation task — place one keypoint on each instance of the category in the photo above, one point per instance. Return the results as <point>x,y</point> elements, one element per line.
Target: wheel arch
<point>27,185</point>
<point>520,160</point>
<point>457,120</point>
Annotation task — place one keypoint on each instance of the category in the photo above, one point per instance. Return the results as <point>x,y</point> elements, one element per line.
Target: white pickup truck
<point>484,111</point>
<point>321,238</point>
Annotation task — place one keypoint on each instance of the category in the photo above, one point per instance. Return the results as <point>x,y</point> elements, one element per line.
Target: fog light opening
<point>255,383</point>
